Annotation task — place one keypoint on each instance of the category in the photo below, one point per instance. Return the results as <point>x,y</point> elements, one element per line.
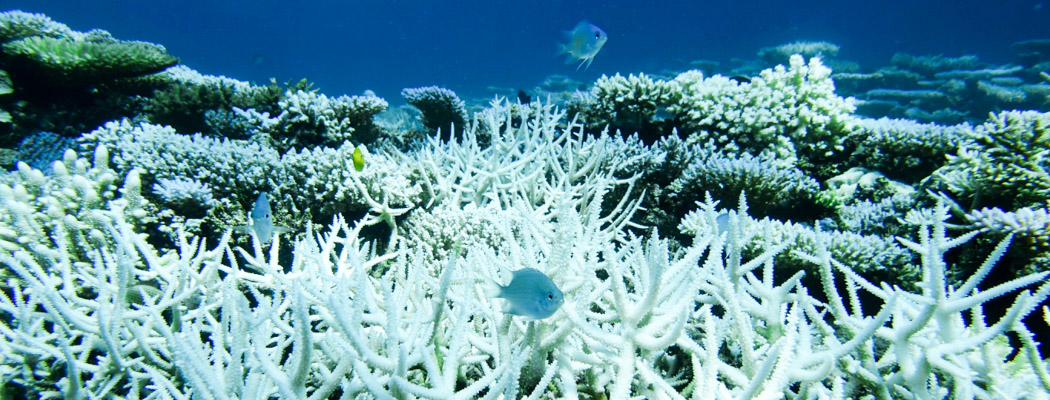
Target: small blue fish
<point>262,221</point>
<point>584,42</point>
<point>530,294</point>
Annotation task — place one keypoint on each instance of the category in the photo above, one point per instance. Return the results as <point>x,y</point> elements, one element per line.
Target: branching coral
<point>629,104</point>
<point>1007,163</point>
<point>309,118</point>
<point>767,182</point>
<point>904,149</point>
<point>441,108</point>
<point>789,110</point>
<point>91,309</point>
<point>227,166</point>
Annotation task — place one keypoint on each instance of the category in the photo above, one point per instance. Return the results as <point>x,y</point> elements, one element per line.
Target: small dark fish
<point>523,97</point>
<point>740,79</point>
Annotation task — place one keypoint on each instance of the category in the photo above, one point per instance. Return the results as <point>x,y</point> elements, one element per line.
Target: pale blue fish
<point>530,294</point>
<point>262,221</point>
<point>584,42</point>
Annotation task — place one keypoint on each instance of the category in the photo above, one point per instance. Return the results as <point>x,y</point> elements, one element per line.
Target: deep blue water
<point>351,46</point>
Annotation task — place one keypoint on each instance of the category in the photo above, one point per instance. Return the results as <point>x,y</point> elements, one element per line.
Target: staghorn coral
<point>52,215</point>
<point>346,315</point>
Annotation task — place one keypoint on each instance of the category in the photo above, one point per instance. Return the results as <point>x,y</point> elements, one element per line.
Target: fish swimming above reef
<point>530,294</point>
<point>261,221</point>
<point>584,42</point>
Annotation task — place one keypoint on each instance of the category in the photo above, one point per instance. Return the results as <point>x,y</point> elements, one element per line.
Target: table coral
<point>63,61</point>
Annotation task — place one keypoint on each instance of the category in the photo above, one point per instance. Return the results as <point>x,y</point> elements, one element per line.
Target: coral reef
<point>828,271</point>
<point>755,116</point>
<point>95,58</point>
<point>230,167</point>
<point>904,149</point>
<point>188,197</point>
<point>1005,165</point>
<point>630,104</point>
<point>638,319</point>
<point>946,90</point>
<point>441,108</point>
<point>308,118</point>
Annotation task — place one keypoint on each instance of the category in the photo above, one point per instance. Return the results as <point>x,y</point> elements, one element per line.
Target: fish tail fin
<point>491,288</point>
<point>245,229</point>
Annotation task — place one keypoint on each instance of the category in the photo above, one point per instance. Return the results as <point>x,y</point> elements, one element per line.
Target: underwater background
<point>467,46</point>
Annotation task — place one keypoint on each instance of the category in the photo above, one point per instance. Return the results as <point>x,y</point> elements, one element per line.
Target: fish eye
<point>597,36</point>
<point>550,296</point>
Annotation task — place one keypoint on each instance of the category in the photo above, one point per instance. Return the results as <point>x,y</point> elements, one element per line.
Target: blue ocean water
<point>467,46</point>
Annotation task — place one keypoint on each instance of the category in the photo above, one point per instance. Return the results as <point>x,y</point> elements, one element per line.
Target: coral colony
<point>692,236</point>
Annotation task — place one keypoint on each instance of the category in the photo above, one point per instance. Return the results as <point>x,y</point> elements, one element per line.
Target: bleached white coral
<point>310,118</point>
<point>905,148</point>
<point>184,192</point>
<point>227,166</point>
<point>1030,225</point>
<point>786,109</point>
<point>101,313</point>
<point>323,181</point>
<point>190,76</point>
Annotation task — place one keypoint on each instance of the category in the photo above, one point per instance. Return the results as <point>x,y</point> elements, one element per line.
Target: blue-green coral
<point>1007,163</point>
<point>93,59</point>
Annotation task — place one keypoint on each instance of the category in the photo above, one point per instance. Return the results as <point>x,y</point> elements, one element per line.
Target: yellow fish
<point>585,40</point>
<point>359,159</point>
